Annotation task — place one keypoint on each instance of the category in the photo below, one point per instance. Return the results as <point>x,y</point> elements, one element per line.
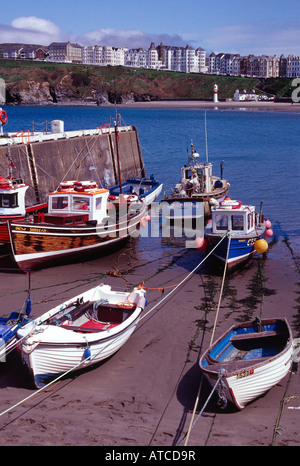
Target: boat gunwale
<point>246,364</point>
<point>73,344</point>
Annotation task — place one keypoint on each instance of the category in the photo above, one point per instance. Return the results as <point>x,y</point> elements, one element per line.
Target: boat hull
<point>52,358</point>
<point>51,350</point>
<point>4,219</point>
<point>241,247</point>
<point>41,245</point>
<point>248,378</point>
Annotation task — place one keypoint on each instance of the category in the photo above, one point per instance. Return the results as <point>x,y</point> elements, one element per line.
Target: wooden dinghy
<point>249,358</point>
<point>81,332</point>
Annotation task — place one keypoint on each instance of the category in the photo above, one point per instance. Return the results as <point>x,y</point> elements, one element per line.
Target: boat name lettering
<point>245,374</point>
<point>39,230</point>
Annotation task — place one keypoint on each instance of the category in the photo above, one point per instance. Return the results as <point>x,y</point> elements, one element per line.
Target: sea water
<point>260,149</point>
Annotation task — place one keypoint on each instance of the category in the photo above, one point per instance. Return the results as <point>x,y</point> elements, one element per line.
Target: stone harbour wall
<point>43,161</point>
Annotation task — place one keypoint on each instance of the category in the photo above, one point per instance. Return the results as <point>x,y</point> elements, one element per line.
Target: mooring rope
<point>89,357</point>
<point>201,411</point>
<point>185,279</point>
<point>211,341</point>
<point>45,387</point>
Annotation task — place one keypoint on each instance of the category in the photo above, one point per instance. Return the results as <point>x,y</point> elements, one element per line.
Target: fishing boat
<point>81,221</point>
<point>249,359</point>
<point>197,189</point>
<point>147,189</point>
<point>80,332</point>
<point>12,204</point>
<point>241,230</point>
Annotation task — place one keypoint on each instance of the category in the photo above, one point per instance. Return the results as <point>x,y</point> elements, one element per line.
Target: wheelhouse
<point>12,197</point>
<point>240,220</point>
<point>87,201</point>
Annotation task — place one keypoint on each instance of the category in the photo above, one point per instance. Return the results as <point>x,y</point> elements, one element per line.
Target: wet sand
<point>226,105</point>
<point>144,395</point>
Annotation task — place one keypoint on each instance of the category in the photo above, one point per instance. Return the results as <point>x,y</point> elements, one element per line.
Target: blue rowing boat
<point>147,189</point>
<point>9,327</point>
<point>249,359</point>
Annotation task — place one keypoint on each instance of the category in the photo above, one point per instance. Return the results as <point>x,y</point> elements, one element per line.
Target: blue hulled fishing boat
<point>235,232</point>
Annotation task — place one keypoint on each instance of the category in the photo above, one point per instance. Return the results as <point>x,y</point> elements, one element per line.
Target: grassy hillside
<point>41,81</point>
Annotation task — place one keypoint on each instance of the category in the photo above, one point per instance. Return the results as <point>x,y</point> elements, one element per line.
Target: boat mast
<point>118,157</point>
<point>206,148</point>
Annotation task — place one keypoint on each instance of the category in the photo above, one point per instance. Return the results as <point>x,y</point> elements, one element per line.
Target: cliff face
<point>41,83</point>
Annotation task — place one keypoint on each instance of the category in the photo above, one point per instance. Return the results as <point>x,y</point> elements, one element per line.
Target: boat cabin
<point>234,217</point>
<point>197,178</point>
<point>76,203</point>
<point>12,196</point>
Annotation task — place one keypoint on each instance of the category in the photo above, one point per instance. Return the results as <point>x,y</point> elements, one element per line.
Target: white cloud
<point>31,23</point>
<point>258,37</point>
<point>30,30</point>
<point>127,38</point>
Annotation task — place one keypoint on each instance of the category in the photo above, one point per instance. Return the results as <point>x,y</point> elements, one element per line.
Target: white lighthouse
<point>216,94</point>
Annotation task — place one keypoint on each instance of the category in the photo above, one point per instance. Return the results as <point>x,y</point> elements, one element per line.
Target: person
<point>195,183</point>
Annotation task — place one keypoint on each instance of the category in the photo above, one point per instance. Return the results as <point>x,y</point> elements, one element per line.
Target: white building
<point>136,58</point>
<point>201,60</point>
<point>103,55</point>
<point>224,63</point>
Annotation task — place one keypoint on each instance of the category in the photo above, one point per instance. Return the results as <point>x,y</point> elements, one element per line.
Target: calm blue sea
<point>261,150</point>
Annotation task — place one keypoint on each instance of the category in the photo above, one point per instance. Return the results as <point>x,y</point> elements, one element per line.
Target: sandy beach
<point>145,394</point>
<point>226,105</point>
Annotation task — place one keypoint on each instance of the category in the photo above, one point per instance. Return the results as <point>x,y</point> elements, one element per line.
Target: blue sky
<point>233,26</point>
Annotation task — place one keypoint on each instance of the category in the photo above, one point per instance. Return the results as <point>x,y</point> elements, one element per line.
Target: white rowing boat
<point>80,332</point>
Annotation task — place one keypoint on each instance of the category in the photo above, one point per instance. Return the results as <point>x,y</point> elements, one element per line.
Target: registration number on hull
<point>245,374</point>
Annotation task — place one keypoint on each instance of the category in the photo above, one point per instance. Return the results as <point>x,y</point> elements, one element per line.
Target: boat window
<point>9,200</point>
<point>237,222</point>
<point>250,221</point>
<point>221,222</point>
<point>188,174</point>
<point>80,203</point>
<point>98,203</point>
<point>59,202</point>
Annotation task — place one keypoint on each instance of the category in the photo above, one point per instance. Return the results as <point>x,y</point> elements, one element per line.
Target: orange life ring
<point>3,117</point>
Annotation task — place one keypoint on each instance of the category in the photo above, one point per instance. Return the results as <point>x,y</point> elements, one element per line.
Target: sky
<point>231,26</point>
